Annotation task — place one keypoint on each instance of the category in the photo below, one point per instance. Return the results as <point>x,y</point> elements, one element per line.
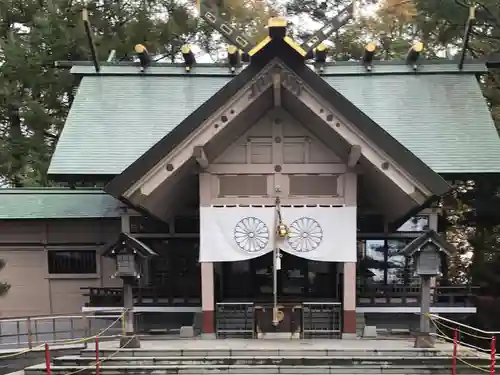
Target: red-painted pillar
<point>349,314</point>
<point>207,300</point>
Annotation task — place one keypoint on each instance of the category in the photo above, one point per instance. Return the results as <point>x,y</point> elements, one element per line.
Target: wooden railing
<point>399,295</point>
<point>113,297</point>
<point>234,320</point>
<point>321,320</point>
<point>386,295</point>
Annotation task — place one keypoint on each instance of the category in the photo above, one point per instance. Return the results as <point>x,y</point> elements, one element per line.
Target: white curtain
<point>230,234</point>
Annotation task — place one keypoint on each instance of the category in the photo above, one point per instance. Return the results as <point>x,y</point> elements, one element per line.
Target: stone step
<point>410,352</point>
<point>267,360</point>
<point>240,370</point>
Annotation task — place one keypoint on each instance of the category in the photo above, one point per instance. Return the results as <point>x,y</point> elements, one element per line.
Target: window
<point>371,261</point>
<point>76,261</point>
<point>379,262</point>
<point>399,267</point>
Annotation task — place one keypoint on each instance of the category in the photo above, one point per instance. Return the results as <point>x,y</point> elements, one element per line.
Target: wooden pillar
<point>349,314</point>
<point>207,300</point>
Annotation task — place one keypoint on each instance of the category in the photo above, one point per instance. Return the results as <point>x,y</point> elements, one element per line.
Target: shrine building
<point>212,167</point>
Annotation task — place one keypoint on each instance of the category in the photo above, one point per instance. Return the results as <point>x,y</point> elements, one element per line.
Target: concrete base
<point>370,332</point>
<point>130,342</point>
<point>208,336</point>
<point>278,336</point>
<point>349,336</point>
<point>424,340</point>
<point>186,332</point>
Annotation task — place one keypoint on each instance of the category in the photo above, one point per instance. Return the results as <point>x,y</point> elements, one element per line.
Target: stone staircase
<point>283,359</point>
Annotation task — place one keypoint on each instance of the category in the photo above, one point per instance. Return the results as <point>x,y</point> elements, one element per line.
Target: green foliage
<point>4,287</point>
<point>35,97</point>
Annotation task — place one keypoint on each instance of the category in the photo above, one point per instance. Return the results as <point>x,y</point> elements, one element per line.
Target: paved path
<point>283,344</point>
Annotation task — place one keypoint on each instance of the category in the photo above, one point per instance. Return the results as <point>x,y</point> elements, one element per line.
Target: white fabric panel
<point>325,234</point>
<point>229,234</point>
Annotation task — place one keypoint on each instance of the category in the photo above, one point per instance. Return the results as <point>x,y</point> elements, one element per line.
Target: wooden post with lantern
<point>130,254</point>
<point>427,251</point>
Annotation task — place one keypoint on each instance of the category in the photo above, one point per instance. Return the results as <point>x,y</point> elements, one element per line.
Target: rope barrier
<point>98,363</point>
<point>70,342</point>
<point>475,350</point>
<point>22,352</point>
<point>437,321</point>
<point>469,347</point>
<point>458,324</point>
<point>85,339</point>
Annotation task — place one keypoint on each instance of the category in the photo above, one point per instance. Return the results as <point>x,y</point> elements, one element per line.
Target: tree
<point>4,287</point>
<point>443,24</point>
<point>35,97</point>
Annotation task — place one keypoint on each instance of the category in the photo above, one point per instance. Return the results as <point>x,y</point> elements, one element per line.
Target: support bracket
<point>200,156</point>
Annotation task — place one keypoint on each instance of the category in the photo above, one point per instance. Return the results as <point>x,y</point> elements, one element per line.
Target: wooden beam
<point>200,156</point>
<point>277,88</point>
<point>354,155</point>
<point>90,38</point>
<point>468,30</point>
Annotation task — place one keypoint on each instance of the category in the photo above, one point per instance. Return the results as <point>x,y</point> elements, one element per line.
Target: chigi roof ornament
<point>90,38</point>
<point>313,48</point>
<point>143,55</point>
<point>414,54</point>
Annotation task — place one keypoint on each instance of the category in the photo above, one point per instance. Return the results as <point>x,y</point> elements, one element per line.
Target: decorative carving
<point>288,79</point>
<point>291,82</point>
<point>251,234</point>
<point>259,85</point>
<point>305,234</point>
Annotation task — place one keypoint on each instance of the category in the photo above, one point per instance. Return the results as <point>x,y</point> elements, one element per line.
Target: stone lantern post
<point>130,254</point>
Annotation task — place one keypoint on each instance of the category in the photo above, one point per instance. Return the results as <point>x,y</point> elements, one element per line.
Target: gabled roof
<point>127,243</point>
<point>436,108</point>
<point>48,203</point>
<point>278,48</point>
<point>429,236</point>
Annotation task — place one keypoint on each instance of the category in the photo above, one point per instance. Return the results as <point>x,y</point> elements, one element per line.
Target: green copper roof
<point>115,119</point>
<point>442,119</point>
<point>32,204</point>
<point>438,113</point>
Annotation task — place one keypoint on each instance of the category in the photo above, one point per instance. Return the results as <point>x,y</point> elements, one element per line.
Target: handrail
<point>48,317</point>
<point>397,294</point>
<point>56,316</point>
<point>437,317</point>
<point>71,328</point>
